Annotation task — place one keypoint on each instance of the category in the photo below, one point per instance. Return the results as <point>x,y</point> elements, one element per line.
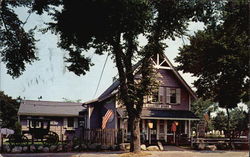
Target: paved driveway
<point>153,154</point>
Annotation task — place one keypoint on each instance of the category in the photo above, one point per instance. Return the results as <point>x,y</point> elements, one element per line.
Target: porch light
<point>176,123</point>
<point>150,125</point>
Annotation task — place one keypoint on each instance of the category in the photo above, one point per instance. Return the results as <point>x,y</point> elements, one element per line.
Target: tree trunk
<point>135,143</point>
<point>228,128</point>
<point>249,122</point>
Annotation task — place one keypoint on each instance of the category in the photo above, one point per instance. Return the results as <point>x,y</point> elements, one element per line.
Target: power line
<point>101,75</point>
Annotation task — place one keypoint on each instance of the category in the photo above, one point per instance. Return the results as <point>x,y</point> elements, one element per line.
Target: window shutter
<point>150,98</point>
<point>65,122</point>
<point>75,122</point>
<point>161,94</point>
<point>145,100</point>
<point>178,95</point>
<point>168,96</point>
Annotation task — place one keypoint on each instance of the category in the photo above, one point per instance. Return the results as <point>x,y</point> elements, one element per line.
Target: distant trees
<point>238,120</point>
<point>217,118</point>
<point>8,111</point>
<point>201,108</point>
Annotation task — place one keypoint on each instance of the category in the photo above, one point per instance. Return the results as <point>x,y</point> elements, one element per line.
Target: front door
<point>170,133</point>
<point>154,130</point>
<point>162,130</point>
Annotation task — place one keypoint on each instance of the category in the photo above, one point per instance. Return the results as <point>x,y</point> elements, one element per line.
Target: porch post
<point>146,129</point>
<point>157,129</point>
<point>165,130</point>
<point>186,127</point>
<point>143,129</point>
<point>189,128</point>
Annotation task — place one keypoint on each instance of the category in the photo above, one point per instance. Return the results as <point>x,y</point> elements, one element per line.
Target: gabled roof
<point>180,77</point>
<point>49,108</point>
<point>111,90</point>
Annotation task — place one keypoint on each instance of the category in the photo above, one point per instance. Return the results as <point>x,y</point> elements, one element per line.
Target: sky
<point>48,77</point>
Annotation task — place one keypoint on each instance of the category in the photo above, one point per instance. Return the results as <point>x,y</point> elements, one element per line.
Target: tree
<point>201,107</point>
<point>114,27</point>
<point>8,111</point>
<point>17,47</point>
<point>219,57</point>
<point>238,120</point>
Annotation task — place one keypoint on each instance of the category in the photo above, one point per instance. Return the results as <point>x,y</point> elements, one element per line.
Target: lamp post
<point>150,126</point>
<point>1,142</point>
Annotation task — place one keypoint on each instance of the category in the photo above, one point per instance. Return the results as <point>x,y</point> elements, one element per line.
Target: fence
<point>218,141</point>
<point>102,136</point>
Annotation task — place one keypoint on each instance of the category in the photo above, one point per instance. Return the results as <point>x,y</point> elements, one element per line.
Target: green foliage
<point>8,112</point>
<point>238,120</point>
<point>201,107</point>
<point>18,128</point>
<point>17,46</point>
<point>219,121</point>
<point>114,26</point>
<point>219,57</point>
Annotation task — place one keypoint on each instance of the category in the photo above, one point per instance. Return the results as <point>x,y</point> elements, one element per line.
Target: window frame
<point>169,95</point>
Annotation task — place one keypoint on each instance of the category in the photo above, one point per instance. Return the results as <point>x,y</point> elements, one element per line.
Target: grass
<point>135,154</point>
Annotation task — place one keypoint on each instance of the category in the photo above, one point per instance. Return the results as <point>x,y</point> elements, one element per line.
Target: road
<point>153,154</point>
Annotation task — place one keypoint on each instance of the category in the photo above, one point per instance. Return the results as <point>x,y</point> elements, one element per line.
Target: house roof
<point>162,114</point>
<point>111,90</point>
<point>49,108</point>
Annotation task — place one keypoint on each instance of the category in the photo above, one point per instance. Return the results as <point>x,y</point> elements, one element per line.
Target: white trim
<point>157,129</point>
<point>65,122</point>
<point>161,95</point>
<point>189,128</point>
<point>166,130</point>
<point>158,59</point>
<point>164,118</point>
<point>185,131</point>
<point>162,67</point>
<point>76,123</point>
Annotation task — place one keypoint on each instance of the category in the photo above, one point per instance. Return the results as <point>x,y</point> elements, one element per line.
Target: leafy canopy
<point>219,57</point>
<point>17,46</point>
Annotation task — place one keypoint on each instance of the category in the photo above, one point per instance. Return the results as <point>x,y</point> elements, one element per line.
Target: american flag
<point>106,117</point>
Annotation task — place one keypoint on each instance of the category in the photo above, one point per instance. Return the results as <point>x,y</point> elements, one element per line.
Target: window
<point>70,122</point>
<point>173,95</point>
<point>161,126</point>
<point>35,124</point>
<point>155,96</point>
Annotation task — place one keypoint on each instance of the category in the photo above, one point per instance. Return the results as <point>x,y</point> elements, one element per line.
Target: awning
<point>162,114</point>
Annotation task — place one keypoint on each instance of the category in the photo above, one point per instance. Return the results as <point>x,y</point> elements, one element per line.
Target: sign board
<point>201,129</point>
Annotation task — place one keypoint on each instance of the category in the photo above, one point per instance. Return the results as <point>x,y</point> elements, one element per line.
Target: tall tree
<point>114,26</point>
<point>219,57</point>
